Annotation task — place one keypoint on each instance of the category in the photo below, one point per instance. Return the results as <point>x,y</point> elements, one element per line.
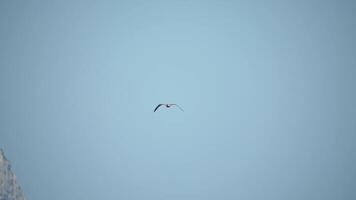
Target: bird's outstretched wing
<point>178,107</point>
<point>159,105</point>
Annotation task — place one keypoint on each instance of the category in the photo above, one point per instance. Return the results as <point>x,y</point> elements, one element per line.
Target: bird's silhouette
<point>167,105</point>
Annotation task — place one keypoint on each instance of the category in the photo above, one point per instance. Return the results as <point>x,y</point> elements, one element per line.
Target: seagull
<point>168,105</point>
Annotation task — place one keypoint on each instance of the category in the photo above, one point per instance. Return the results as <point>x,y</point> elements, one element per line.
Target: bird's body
<point>167,105</point>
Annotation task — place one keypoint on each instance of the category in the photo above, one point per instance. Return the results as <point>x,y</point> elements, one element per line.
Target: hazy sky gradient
<point>268,89</point>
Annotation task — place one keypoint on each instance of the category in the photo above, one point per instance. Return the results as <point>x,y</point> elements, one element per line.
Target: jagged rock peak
<point>2,154</point>
<point>9,188</point>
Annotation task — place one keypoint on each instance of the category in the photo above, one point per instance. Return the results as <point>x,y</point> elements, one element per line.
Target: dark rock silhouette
<point>9,188</point>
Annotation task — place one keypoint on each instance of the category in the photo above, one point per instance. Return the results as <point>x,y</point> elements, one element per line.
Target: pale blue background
<point>268,88</point>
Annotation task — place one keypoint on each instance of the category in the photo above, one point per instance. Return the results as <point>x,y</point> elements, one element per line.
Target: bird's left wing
<point>159,105</point>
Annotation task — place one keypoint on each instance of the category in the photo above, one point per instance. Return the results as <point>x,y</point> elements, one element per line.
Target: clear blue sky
<point>268,88</point>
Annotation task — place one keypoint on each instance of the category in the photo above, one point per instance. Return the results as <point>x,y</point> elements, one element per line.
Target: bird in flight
<point>168,105</point>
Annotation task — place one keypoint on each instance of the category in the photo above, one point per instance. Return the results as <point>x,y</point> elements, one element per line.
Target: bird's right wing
<point>159,105</point>
<point>178,107</point>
